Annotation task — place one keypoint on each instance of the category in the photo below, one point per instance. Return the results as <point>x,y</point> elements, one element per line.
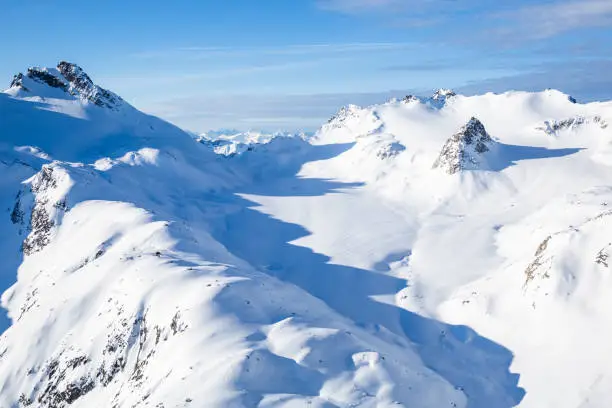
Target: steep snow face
<point>340,270</point>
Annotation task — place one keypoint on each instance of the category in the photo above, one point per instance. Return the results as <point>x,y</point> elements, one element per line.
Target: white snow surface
<point>234,142</point>
<point>341,270</point>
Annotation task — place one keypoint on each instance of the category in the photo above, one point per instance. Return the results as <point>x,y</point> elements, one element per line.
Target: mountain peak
<point>465,149</point>
<point>68,78</point>
<point>410,99</point>
<point>443,94</point>
<point>344,114</point>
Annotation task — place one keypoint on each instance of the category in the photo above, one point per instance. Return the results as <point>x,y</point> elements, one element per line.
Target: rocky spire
<point>465,149</point>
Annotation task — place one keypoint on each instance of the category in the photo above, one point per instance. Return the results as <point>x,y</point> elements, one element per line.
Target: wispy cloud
<point>587,81</point>
<point>154,80</point>
<point>356,6</point>
<point>419,22</point>
<point>500,20</point>
<point>548,20</point>
<point>263,111</point>
<point>494,61</point>
<point>202,52</point>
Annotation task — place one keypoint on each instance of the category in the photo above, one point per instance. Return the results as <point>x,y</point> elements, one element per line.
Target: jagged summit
<point>347,115</point>
<point>68,117</point>
<point>228,142</point>
<point>553,127</point>
<point>440,97</point>
<point>350,122</point>
<point>443,94</point>
<point>344,113</point>
<point>410,99</point>
<point>66,77</point>
<point>465,149</point>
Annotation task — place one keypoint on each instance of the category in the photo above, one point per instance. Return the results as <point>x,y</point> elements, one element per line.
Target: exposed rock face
<point>389,150</point>
<point>344,114</point>
<point>43,76</point>
<point>17,81</point>
<point>71,374</point>
<point>541,264</point>
<point>410,99</point>
<point>80,84</point>
<point>603,256</point>
<point>551,247</point>
<point>443,94</point>
<point>17,213</point>
<point>439,99</point>
<point>45,210</point>
<point>465,149</point>
<point>554,126</point>
<point>69,78</point>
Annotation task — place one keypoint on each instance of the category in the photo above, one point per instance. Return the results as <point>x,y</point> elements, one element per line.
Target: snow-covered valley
<point>434,252</point>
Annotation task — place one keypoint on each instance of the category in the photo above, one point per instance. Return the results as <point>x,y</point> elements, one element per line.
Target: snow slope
<point>342,270</point>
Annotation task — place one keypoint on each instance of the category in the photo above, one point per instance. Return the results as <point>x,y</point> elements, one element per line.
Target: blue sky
<point>290,64</point>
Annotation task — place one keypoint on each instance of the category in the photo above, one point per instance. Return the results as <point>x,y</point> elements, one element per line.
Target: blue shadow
<point>472,363</point>
<point>509,155</point>
<point>476,365</point>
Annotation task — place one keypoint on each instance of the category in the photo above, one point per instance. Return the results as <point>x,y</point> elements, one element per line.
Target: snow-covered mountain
<point>448,251</point>
<point>234,142</point>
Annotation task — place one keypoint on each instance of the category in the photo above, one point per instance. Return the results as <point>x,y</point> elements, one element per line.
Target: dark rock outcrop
<point>345,113</point>
<point>81,84</point>
<point>72,374</point>
<point>554,126</point>
<point>41,220</point>
<point>465,149</point>
<point>443,94</point>
<point>69,78</point>
<point>390,150</point>
<point>17,82</point>
<point>44,77</point>
<point>410,99</point>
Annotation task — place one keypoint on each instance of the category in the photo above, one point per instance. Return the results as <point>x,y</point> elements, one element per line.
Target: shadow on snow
<point>465,359</point>
<point>477,366</point>
<point>509,155</point>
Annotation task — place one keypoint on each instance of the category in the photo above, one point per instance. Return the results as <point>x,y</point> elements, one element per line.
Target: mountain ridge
<point>69,78</point>
<point>334,270</point>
